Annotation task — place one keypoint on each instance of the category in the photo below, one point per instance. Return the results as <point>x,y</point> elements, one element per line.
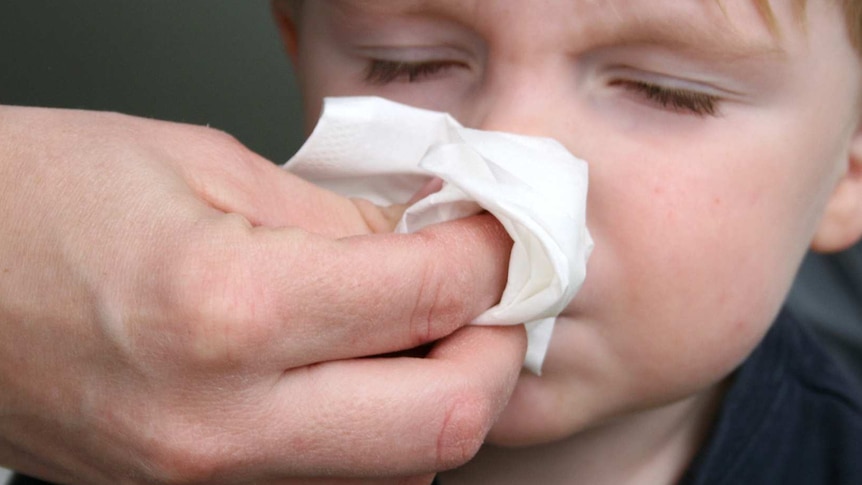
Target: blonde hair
<point>852,17</point>
<point>853,14</point>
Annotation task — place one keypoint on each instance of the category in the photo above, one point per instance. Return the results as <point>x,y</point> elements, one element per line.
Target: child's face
<point>714,146</point>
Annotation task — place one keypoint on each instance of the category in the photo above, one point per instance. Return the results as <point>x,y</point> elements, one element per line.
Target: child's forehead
<point>726,28</point>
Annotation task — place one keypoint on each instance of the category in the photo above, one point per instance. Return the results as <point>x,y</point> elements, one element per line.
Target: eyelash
<point>673,99</point>
<point>381,72</point>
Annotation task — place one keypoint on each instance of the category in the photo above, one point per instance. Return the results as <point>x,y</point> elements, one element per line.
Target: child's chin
<point>529,429</point>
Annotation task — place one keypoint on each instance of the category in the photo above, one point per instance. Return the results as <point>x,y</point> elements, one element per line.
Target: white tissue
<point>385,152</point>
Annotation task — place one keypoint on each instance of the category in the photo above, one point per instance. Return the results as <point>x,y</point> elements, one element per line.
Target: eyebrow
<point>712,34</point>
<point>707,32</point>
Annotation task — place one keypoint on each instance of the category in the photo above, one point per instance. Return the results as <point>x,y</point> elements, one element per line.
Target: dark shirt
<point>790,417</point>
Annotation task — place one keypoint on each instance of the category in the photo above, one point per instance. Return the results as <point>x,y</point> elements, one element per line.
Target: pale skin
<point>719,152</point>
<point>176,309</point>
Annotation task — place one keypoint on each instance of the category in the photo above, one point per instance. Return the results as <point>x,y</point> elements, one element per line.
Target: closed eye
<point>678,100</point>
<point>381,72</point>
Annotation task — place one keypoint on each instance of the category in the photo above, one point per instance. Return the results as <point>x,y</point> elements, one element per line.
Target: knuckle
<point>440,306</point>
<point>425,311</point>
<point>467,420</point>
<point>211,307</point>
<point>204,147</point>
<point>219,139</point>
<point>186,461</point>
<point>224,147</point>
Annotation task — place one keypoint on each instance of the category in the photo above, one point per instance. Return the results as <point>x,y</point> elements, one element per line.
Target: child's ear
<point>285,13</point>
<point>841,226</point>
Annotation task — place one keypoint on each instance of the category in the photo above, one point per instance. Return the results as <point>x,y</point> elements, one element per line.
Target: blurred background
<point>215,62</point>
<point>220,63</point>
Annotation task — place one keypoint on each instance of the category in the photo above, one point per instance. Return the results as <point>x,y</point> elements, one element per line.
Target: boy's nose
<point>517,103</point>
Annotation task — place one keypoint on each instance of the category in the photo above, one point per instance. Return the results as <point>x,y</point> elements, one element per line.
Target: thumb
<point>231,178</point>
<point>378,219</point>
<point>385,219</point>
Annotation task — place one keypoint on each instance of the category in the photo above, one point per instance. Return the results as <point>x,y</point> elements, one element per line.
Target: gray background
<point>220,62</point>
<point>216,62</point>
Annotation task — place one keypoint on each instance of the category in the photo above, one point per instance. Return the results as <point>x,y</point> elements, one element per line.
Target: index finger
<point>368,295</point>
<point>284,298</point>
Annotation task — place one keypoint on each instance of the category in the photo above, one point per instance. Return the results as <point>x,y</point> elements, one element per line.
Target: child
<point>723,140</point>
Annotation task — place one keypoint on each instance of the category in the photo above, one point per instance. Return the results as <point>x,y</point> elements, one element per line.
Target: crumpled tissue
<point>385,152</point>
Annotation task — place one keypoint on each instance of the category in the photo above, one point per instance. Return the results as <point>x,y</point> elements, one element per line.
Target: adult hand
<point>175,309</point>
